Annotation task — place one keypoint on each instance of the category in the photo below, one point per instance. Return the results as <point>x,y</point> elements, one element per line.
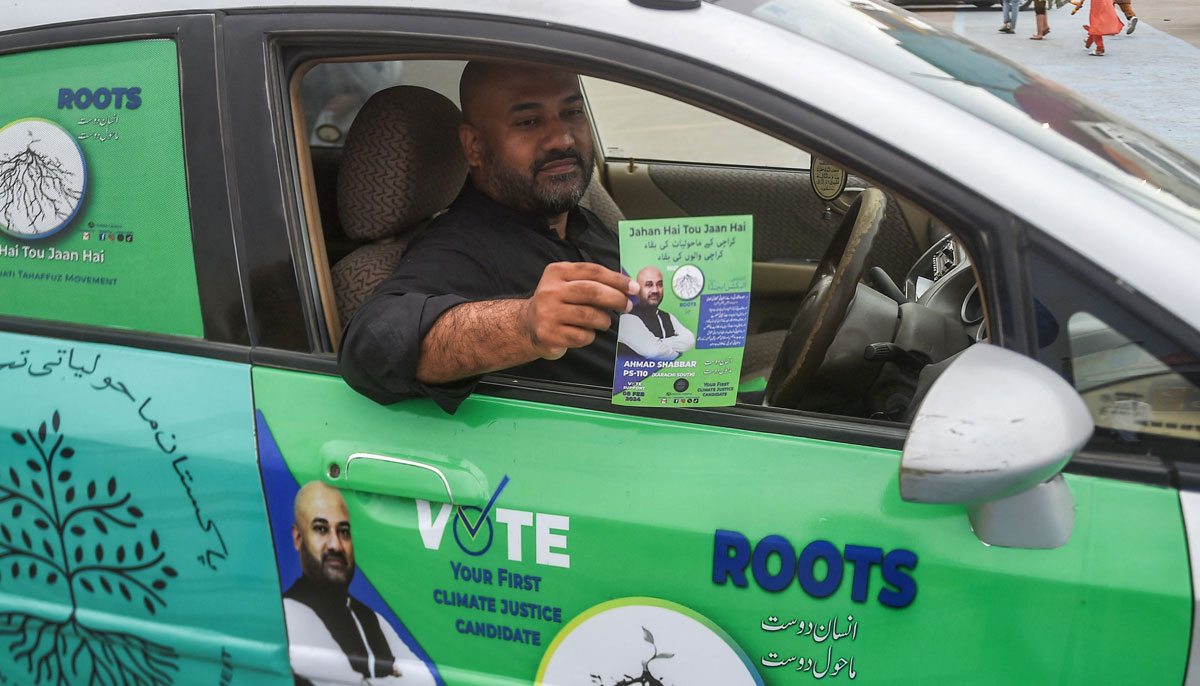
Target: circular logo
<point>681,385</point>
<point>687,282</point>
<point>648,640</point>
<point>476,544</point>
<point>43,177</point>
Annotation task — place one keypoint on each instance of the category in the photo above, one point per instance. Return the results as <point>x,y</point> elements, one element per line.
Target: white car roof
<point>1150,244</point>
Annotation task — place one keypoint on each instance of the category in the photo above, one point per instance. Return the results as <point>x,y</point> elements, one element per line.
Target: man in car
<point>649,332</point>
<point>515,273</point>
<point>333,637</point>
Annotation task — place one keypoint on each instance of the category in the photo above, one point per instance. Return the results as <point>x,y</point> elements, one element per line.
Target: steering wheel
<point>825,305</point>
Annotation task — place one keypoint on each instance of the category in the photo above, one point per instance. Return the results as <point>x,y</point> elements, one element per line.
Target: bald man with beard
<point>514,275</point>
<point>648,331</point>
<point>333,638</point>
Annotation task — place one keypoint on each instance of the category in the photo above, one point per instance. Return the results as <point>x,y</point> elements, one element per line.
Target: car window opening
<point>360,232</point>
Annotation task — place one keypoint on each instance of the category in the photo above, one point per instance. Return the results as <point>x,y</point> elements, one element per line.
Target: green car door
<point>521,541</point>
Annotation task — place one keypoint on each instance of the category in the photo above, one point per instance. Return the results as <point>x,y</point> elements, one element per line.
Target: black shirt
<point>478,250</point>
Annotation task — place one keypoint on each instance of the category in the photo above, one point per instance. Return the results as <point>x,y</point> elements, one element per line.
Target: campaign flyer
<point>682,343</point>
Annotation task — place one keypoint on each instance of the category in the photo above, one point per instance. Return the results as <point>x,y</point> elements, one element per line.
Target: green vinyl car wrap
<point>559,514</point>
<point>132,545</point>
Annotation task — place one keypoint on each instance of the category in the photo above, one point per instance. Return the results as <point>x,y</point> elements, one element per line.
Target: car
<point>965,444</point>
<point>981,4</point>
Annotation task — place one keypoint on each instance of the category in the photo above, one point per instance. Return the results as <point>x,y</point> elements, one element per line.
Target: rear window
<point>94,223</point>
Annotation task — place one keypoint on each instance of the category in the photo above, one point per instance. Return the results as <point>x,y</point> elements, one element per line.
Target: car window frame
<point>1155,468</point>
<point>213,246</point>
<point>288,39</point>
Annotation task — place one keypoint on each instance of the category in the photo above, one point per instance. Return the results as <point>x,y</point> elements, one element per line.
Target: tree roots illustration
<point>32,185</point>
<point>646,678</point>
<point>77,540</point>
<point>70,653</point>
<point>688,284</point>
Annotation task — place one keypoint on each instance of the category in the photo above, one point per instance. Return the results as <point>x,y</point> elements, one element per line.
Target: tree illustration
<point>687,285</point>
<point>645,678</point>
<point>79,540</point>
<point>33,184</point>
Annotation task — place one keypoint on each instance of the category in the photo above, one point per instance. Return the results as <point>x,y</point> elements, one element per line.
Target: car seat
<point>401,166</point>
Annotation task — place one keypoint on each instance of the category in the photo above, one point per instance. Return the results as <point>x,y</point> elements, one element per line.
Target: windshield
<point>994,89</point>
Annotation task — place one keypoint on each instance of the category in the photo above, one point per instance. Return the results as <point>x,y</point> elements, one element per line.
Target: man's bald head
<point>321,534</point>
<point>526,135</point>
<point>313,495</point>
<point>650,281</point>
<point>482,79</point>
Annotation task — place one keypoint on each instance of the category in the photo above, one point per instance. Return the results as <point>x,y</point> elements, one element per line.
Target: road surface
<point>1147,77</point>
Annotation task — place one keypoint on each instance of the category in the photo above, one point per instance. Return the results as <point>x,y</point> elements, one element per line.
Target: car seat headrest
<point>402,162</point>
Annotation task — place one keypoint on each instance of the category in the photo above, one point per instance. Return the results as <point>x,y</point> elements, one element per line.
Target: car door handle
<point>407,477</point>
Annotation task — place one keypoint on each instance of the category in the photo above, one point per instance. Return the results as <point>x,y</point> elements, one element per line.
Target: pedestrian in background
<point>1008,11</point>
<point>1043,22</point>
<point>1102,21</point>
<point>1127,8</point>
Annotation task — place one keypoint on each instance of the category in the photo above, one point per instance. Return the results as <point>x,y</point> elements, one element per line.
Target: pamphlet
<point>681,345</point>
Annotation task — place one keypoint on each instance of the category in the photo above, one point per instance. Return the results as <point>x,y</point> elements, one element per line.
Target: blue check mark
<point>474,528</point>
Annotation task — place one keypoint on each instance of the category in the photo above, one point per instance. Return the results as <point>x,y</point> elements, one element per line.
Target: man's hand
<point>571,303</point>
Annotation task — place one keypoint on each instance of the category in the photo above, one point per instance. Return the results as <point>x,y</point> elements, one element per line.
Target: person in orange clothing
<point>1130,18</point>
<point>1102,21</point>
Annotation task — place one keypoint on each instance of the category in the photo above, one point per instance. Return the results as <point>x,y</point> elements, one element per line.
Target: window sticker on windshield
<point>681,344</point>
<point>94,224</point>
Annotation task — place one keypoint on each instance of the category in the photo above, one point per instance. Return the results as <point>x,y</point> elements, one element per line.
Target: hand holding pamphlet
<point>682,342</point>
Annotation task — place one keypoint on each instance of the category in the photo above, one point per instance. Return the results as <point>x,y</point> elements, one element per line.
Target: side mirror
<point>993,433</point>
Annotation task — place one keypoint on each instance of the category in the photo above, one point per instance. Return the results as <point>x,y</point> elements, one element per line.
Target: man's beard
<point>315,570</point>
<point>645,303</point>
<point>546,197</point>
